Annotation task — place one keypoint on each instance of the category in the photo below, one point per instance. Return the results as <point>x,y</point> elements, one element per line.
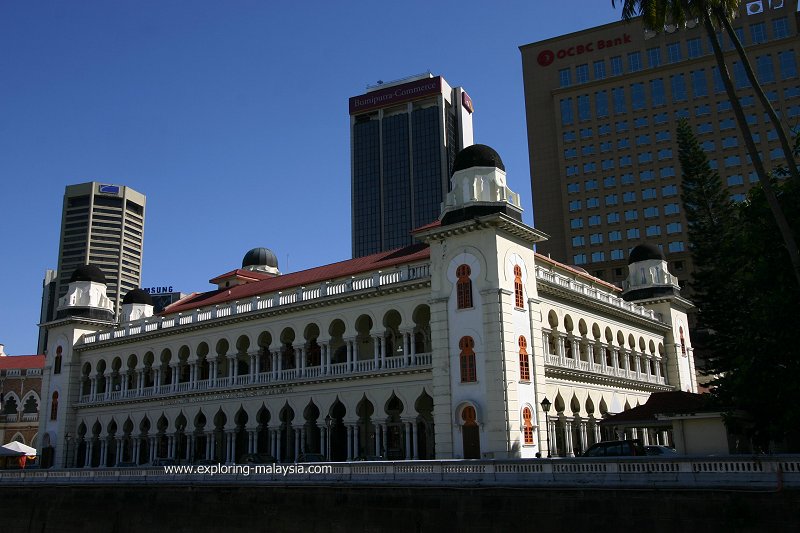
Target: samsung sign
<point>158,290</point>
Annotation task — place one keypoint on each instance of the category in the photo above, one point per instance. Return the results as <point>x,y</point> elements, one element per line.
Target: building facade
<point>101,224</point>
<point>404,136</point>
<point>602,107</point>
<point>443,349</point>
<point>20,397</point>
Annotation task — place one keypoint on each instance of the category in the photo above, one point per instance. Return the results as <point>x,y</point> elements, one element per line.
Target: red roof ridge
<point>8,362</point>
<point>340,269</point>
<point>241,273</point>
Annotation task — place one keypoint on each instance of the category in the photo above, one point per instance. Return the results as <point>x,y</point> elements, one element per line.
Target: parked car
<point>659,450</point>
<point>126,464</point>
<point>311,458</point>
<point>615,448</point>
<point>257,458</point>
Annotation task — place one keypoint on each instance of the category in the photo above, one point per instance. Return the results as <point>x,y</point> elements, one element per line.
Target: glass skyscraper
<point>404,137</point>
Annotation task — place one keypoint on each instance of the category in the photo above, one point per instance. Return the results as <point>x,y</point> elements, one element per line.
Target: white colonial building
<point>445,349</point>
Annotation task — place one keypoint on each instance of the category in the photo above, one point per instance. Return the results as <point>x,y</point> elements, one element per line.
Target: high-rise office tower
<point>602,107</point>
<point>404,136</point>
<point>102,225</point>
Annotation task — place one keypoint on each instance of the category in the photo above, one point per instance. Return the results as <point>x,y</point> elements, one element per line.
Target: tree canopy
<point>746,297</point>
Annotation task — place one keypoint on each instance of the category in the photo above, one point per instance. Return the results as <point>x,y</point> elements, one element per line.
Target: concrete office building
<point>404,136</point>
<point>103,225</point>
<point>602,107</point>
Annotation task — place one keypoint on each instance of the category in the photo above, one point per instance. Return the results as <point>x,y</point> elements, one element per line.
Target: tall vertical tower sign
<point>404,136</point>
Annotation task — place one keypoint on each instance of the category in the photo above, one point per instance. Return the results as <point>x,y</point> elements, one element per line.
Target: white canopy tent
<point>16,448</point>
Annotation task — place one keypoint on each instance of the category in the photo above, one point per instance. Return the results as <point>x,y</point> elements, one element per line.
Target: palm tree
<point>658,13</point>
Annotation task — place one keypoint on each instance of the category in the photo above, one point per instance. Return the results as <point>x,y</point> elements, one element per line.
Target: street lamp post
<point>546,408</point>
<point>328,423</point>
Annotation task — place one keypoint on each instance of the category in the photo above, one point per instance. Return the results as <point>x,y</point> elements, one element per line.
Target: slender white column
<point>297,439</point>
<point>349,429</point>
<point>349,365</point>
<point>87,455</point>
<point>303,439</point>
<point>376,349</point>
<point>137,448</point>
<point>406,426</point>
<point>413,344</point>
<point>103,452</point>
<point>414,439</point>
<point>597,436</point>
<point>568,439</point>
<point>384,441</point>
<point>584,440</point>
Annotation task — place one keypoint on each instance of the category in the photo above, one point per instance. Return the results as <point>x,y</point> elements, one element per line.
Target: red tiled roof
<point>580,273</point>
<point>660,403</point>
<point>350,267</point>
<point>21,361</point>
<point>434,224</point>
<point>239,273</point>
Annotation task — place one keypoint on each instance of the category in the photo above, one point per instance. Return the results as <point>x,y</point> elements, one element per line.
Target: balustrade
<point>285,375</point>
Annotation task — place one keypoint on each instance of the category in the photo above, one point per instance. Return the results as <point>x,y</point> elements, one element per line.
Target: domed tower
<point>482,267</point>
<point>86,295</point>
<point>650,285</point>
<point>478,187</point>
<point>136,304</point>
<point>261,260</point>
<point>648,276</point>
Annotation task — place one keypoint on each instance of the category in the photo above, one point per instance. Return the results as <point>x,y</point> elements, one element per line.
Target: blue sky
<point>231,117</point>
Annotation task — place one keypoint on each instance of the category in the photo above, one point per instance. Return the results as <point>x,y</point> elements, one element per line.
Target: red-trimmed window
<point>519,299</point>
<point>527,426</point>
<point>464,287</point>
<point>467,360</point>
<point>54,406</point>
<point>524,362</point>
<point>469,416</point>
<point>683,342</point>
<point>57,361</point>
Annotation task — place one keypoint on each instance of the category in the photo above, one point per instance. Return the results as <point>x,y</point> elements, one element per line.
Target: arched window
<point>57,362</point>
<point>527,426</point>
<point>518,297</point>
<point>54,407</point>
<point>467,360</point>
<point>524,364</point>
<point>464,287</point>
<point>469,432</point>
<point>683,342</point>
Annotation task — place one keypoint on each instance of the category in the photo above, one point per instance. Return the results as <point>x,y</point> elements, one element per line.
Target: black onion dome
<point>88,273</point>
<point>137,296</point>
<point>260,257</point>
<point>477,155</point>
<point>644,252</point>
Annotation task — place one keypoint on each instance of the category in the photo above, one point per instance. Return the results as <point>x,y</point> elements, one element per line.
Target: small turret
<point>86,296</point>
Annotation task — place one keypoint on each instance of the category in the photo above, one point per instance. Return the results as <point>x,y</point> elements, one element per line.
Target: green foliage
<point>746,296</point>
